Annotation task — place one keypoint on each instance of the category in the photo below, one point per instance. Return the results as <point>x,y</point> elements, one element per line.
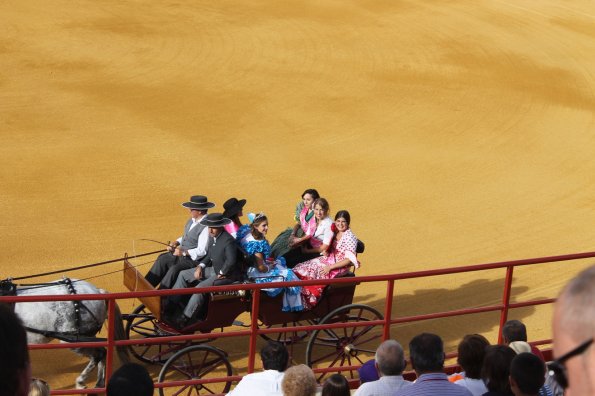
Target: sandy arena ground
<point>455,133</point>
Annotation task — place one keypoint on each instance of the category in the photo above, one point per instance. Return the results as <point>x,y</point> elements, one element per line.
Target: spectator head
<point>427,353</point>
<point>574,326</point>
<point>39,387</point>
<point>299,381</point>
<point>336,385</point>
<point>520,347</point>
<point>471,351</point>
<point>130,379</point>
<point>274,356</point>
<point>390,358</point>
<point>514,330</point>
<point>527,374</point>
<point>368,372</point>
<point>496,368</point>
<point>15,372</point>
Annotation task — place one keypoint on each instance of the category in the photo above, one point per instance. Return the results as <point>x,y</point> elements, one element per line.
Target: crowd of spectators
<point>507,369</point>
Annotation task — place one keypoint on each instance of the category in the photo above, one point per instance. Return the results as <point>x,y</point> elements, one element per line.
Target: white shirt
<point>266,383</point>
<point>385,386</point>
<point>475,386</point>
<point>203,241</point>
<point>323,232</point>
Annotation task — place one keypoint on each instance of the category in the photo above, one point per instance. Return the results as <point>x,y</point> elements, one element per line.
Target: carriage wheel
<point>141,324</point>
<point>344,346</point>
<point>196,362</point>
<point>286,338</point>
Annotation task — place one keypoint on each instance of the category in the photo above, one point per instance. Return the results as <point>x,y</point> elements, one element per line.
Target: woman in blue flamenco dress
<point>252,238</point>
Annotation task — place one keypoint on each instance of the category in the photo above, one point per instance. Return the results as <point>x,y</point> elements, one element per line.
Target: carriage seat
<point>347,274</point>
<point>361,246</point>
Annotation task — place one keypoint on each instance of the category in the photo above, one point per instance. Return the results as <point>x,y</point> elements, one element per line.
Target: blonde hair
<point>299,381</point>
<point>39,388</point>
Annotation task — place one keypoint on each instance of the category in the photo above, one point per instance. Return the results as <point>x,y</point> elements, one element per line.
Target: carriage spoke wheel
<point>142,324</point>
<point>348,346</point>
<point>196,362</point>
<point>287,338</point>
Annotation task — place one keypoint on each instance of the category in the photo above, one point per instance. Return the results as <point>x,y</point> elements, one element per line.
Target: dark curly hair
<point>472,350</point>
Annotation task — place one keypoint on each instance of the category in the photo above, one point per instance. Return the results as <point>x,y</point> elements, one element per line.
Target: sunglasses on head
<point>557,369</point>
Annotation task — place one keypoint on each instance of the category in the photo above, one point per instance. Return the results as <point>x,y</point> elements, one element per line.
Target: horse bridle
<point>7,288</point>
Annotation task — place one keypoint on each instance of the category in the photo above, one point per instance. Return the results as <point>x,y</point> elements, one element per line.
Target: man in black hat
<point>219,267</point>
<point>187,250</point>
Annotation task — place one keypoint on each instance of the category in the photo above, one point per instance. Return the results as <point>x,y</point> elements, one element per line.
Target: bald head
<point>574,323</point>
<point>390,358</point>
<point>575,304</point>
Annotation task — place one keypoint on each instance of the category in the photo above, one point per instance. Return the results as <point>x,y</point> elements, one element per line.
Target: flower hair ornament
<point>253,217</point>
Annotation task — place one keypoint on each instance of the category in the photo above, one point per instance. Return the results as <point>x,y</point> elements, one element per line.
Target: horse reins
<point>86,266</point>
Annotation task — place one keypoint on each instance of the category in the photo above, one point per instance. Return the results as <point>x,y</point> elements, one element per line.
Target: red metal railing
<point>255,331</point>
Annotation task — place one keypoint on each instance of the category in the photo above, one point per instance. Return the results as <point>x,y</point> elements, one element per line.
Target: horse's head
<point>7,288</point>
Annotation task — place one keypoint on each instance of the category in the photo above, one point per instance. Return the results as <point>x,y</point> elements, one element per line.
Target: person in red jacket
<point>515,330</point>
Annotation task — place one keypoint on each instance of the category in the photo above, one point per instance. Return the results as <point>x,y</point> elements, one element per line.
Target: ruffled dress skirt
<point>292,300</point>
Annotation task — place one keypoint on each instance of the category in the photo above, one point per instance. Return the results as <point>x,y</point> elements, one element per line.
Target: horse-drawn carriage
<point>192,360</point>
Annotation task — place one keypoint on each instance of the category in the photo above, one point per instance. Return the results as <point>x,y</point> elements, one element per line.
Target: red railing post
<point>388,309</point>
<point>253,330</point>
<point>111,323</point>
<point>505,300</point>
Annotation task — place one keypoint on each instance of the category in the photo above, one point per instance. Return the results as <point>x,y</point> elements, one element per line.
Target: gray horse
<point>70,321</point>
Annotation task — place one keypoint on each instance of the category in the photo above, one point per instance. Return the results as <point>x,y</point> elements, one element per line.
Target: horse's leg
<point>100,360</point>
<point>96,359</point>
<point>82,378</point>
<point>100,374</point>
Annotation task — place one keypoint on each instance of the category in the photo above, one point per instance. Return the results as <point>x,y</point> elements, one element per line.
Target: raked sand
<point>455,133</point>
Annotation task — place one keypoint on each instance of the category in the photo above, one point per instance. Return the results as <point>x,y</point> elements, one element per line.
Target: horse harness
<point>8,288</point>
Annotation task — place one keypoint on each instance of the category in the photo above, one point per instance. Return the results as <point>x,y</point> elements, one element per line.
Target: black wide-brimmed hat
<point>214,220</point>
<point>233,206</point>
<point>199,202</point>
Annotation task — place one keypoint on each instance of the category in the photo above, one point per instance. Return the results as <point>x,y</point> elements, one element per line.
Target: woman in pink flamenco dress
<point>288,243</point>
<point>335,261</point>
